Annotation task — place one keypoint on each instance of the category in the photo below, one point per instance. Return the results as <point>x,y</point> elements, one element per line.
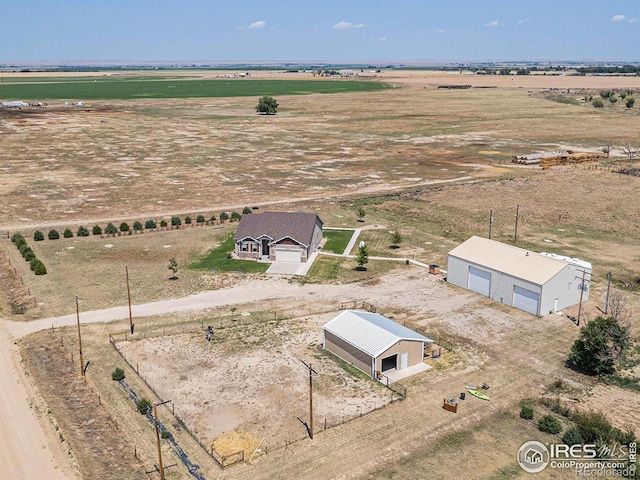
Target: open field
<point>428,162</point>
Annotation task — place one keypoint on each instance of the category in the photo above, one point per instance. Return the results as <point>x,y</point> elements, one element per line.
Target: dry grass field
<point>428,162</point>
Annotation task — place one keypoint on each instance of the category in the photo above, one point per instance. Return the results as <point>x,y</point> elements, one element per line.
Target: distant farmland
<point>91,88</point>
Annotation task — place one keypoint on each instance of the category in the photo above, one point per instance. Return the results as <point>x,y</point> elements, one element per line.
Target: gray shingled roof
<point>370,332</point>
<point>278,225</point>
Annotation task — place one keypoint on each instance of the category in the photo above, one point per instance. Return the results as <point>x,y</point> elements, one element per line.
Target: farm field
<point>430,163</point>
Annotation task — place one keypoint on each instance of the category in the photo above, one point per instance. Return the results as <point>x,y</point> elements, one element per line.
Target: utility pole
<point>582,289</point>
<point>515,235</point>
<point>126,270</point>
<point>155,420</point>
<point>79,337</point>
<point>311,373</point>
<point>606,301</point>
<point>490,222</point>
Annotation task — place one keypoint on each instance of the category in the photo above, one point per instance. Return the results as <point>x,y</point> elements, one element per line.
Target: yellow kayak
<point>478,394</point>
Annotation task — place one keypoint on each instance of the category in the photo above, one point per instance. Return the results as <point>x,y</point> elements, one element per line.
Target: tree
<point>38,236</point>
<point>212,219</point>
<point>246,210</point>
<point>53,234</point>
<point>200,219</point>
<point>362,258</point>
<point>163,223</point>
<point>17,238</point>
<point>235,216</point>
<point>82,232</point>
<point>572,436</point>
<point>38,267</point>
<point>173,266</point>
<point>118,374</point>
<point>360,213</point>
<point>396,238</point>
<point>224,216</point>
<point>110,229</point>
<point>630,102</point>
<point>267,105</point>
<point>144,406</point>
<point>97,230</point>
<point>67,233</point>
<point>149,224</point>
<point>630,151</point>
<point>137,226</point>
<point>176,222</point>
<point>597,103</point>
<point>549,424</point>
<point>29,255</point>
<point>187,220</point>
<point>608,145</point>
<point>603,342</point>
<point>617,308</point>
<point>124,227</point>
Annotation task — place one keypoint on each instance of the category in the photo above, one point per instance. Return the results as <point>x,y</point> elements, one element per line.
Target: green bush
<point>149,224</point>
<point>572,436</point>
<point>38,236</point>
<point>124,227</point>
<point>67,233</point>
<point>246,210</point>
<point>212,219</point>
<point>200,219</point>
<point>163,223</point>
<point>118,374</point>
<point>165,434</point>
<point>235,216</point>
<point>224,216</point>
<point>18,239</point>
<point>144,405</point>
<point>29,255</point>
<point>23,248</point>
<point>82,232</point>
<point>97,230</point>
<point>630,102</point>
<point>549,424</point>
<point>526,412</point>
<point>176,222</point>
<point>593,426</point>
<point>39,268</point>
<point>137,226</point>
<point>188,221</point>
<point>110,229</point>
<point>53,235</point>
<point>597,103</point>
<point>603,342</point>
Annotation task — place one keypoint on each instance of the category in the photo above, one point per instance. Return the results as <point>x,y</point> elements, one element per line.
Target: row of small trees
<point>138,227</point>
<point>25,250</point>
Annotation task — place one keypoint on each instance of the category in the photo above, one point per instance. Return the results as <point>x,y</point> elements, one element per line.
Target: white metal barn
<point>538,283</point>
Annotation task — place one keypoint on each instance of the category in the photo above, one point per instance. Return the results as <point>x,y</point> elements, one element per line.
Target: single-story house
<point>278,236</point>
<point>373,343</point>
<point>538,283</point>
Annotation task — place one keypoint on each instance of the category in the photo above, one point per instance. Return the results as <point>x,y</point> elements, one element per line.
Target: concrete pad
<point>397,375</point>
<point>291,268</point>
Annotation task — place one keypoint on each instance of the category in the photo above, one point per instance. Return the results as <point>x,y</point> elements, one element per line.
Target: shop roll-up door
<point>526,300</point>
<point>479,281</point>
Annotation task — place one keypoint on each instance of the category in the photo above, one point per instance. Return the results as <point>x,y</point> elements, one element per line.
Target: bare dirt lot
<point>323,153</point>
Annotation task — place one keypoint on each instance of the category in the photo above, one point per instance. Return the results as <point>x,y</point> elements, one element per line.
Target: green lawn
<point>217,261</point>
<point>107,88</point>
<point>337,240</point>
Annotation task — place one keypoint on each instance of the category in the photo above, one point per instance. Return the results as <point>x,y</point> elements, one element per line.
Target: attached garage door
<point>288,254</point>
<point>526,300</point>
<point>479,281</point>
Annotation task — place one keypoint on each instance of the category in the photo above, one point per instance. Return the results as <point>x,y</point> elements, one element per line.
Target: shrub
<point>593,426</point>
<point>118,374</point>
<point>549,424</point>
<point>597,103</point>
<point>18,239</point>
<point>235,216</point>
<point>137,226</point>
<point>39,269</point>
<point>29,255</point>
<point>176,222</point>
<point>603,342</point>
<point>526,412</point>
<point>23,248</point>
<point>630,102</point>
<point>38,236</point>
<point>149,224</point>
<point>572,436</point>
<point>144,405</point>
<point>224,216</point>
<point>200,219</point>
<point>124,227</point>
<point>67,233</point>
<point>82,232</point>
<point>163,223</point>
<point>32,264</point>
<point>97,230</point>
<point>187,220</point>
<point>110,229</point>
<point>212,219</point>
<point>246,210</point>
<point>53,235</point>
<point>165,434</point>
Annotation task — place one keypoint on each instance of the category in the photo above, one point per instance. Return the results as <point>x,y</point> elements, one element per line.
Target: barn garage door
<point>479,281</point>
<point>288,254</point>
<point>525,300</point>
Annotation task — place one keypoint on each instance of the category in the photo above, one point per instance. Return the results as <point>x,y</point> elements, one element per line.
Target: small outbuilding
<point>278,236</point>
<point>538,283</point>
<point>373,343</point>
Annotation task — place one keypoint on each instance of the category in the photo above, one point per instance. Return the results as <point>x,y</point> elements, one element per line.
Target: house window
<point>244,246</point>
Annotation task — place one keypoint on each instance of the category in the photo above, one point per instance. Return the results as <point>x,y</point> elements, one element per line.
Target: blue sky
<point>329,30</point>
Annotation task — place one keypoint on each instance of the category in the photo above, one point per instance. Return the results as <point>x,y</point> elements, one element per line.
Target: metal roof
<point>517,262</point>
<point>370,332</point>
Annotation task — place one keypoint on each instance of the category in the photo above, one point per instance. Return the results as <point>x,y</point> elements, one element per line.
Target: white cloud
<point>381,39</point>
<point>618,18</point>
<point>524,20</point>
<point>492,24</point>
<point>345,25</point>
<point>633,20</point>
<point>257,25</point>
<point>441,30</point>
